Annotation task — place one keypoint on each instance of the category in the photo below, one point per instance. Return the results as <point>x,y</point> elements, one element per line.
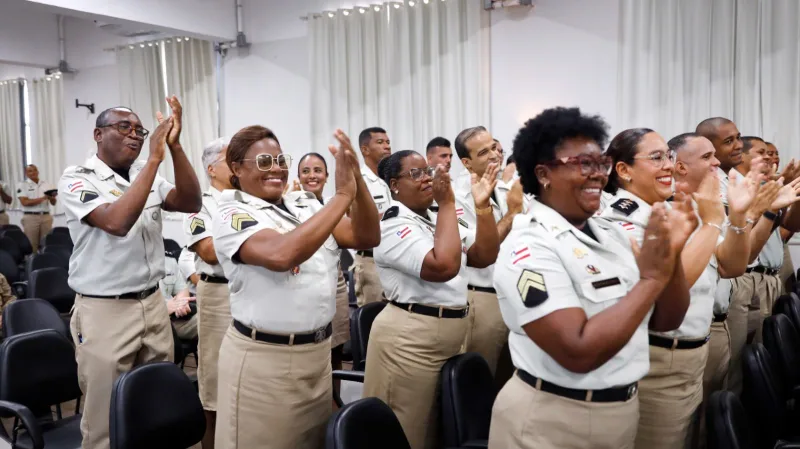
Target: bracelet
<point>749,222</point>
<point>485,211</point>
<point>737,229</point>
<point>716,226</point>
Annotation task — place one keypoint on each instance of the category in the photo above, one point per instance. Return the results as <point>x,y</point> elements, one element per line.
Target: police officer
<point>488,333</point>
<point>421,261</point>
<point>5,198</point>
<point>577,301</point>
<point>113,209</point>
<point>213,303</point>
<point>280,254</point>
<point>175,289</point>
<point>375,146</point>
<point>439,152</point>
<point>671,393</point>
<point>36,196</point>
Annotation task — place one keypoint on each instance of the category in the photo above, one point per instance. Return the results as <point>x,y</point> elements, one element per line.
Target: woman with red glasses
<point>422,260</point>
<point>576,298</point>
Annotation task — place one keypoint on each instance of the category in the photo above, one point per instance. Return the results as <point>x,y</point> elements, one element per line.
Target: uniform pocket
<point>596,296</point>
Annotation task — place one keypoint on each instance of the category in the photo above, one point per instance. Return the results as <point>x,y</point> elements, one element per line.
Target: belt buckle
<point>632,390</point>
<point>466,311</point>
<point>142,294</point>
<point>319,335</point>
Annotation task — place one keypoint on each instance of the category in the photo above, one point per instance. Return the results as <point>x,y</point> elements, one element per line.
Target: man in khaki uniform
<point>5,198</point>
<point>34,196</point>
<point>213,296</point>
<point>375,145</point>
<point>488,333</point>
<point>113,207</point>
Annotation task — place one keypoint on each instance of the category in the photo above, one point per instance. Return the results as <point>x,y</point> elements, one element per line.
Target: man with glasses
<point>213,296</point>
<point>114,210</point>
<point>375,146</point>
<point>36,196</point>
<point>479,154</point>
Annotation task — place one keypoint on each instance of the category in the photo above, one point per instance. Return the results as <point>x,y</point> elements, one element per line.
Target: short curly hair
<point>540,137</point>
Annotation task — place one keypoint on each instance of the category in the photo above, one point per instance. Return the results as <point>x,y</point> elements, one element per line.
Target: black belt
<point>721,317</point>
<point>38,213</point>
<point>213,279</point>
<point>674,343</point>
<point>365,253</point>
<point>132,295</point>
<point>482,289</point>
<point>318,336</point>
<point>764,270</point>
<point>616,394</point>
<point>436,312</point>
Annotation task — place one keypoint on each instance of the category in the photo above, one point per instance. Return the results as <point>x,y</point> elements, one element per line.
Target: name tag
<point>606,283</point>
<point>379,197</point>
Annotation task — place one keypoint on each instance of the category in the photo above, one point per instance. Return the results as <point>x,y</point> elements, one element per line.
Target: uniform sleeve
<point>533,280</point>
<point>197,226</point>
<point>22,192</point>
<point>79,196</point>
<point>163,187</point>
<point>233,225</point>
<point>627,228</point>
<point>404,246</point>
<point>186,263</point>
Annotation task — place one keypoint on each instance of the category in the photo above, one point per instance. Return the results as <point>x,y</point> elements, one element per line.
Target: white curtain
<point>418,71</point>
<point>12,171</point>
<point>191,75</point>
<point>682,61</point>
<point>47,129</point>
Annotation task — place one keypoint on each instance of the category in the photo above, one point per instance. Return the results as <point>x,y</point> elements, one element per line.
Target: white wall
<point>27,35</point>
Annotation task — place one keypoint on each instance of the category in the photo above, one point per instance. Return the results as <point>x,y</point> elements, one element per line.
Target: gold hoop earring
<point>546,185</point>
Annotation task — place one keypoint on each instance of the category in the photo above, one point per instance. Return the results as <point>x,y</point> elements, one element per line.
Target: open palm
<point>482,188</point>
<point>787,195</point>
<point>742,190</point>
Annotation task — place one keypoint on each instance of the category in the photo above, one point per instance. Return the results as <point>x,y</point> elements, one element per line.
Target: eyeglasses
<point>265,161</point>
<point>125,128</point>
<point>659,158</point>
<point>416,173</point>
<point>587,164</point>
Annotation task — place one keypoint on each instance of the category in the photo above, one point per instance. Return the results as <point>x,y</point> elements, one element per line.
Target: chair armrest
<point>786,445</point>
<point>351,376</point>
<point>477,444</point>
<point>29,422</point>
<point>20,289</point>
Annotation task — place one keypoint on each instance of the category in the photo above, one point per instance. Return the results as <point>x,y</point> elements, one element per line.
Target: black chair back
<point>10,246</point>
<point>58,238</point>
<point>728,427</point>
<point>360,327</point>
<point>783,344</point>
<point>763,395</point>
<point>60,230</point>
<point>38,369</point>
<point>345,260</point>
<point>21,239</point>
<point>45,260</point>
<point>155,405</point>
<point>365,424</point>
<point>788,305</point>
<point>62,250</point>
<point>172,248</point>
<point>468,394</point>
<point>32,315</point>
<point>9,267</point>
<point>51,285</point>
<point>9,226</point>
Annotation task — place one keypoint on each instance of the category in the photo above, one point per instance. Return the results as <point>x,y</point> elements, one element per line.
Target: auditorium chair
<point>728,426</point>
<point>62,250</point>
<point>60,230</point>
<point>9,226</point>
<point>38,370</point>
<point>11,271</point>
<point>21,240</point>
<point>31,315</point>
<point>172,248</point>
<point>365,424</point>
<point>155,406</point>
<point>360,326</point>
<point>51,285</point>
<point>468,394</point>
<point>10,246</point>
<point>45,260</point>
<point>57,238</point>
<point>788,305</point>
<point>783,344</point>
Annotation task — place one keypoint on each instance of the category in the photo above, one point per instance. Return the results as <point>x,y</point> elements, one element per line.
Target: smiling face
<point>267,185</point>
<point>576,196</point>
<point>118,150</point>
<point>650,179</point>
<point>32,172</point>
<point>417,195</point>
<point>758,148</point>
<point>483,150</point>
<point>312,174</point>
<point>727,141</point>
<point>694,161</point>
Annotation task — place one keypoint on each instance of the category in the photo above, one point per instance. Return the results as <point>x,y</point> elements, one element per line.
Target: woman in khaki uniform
<point>280,255</point>
<point>422,260</point>
<point>312,172</point>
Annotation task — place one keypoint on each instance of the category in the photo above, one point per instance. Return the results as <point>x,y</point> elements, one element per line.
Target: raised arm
<point>483,252</point>
<point>443,262</point>
<point>514,201</point>
<point>698,251</point>
<point>186,196</point>
<point>118,218</point>
<point>5,196</point>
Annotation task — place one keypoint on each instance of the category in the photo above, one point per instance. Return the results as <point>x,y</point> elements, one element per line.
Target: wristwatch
<point>770,216</point>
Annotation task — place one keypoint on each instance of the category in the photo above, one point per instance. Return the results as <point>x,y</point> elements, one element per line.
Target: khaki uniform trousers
<point>341,318</point>
<point>213,320</point>
<point>35,227</point>
<point>273,396</point>
<point>368,283</point>
<point>111,337</point>
<point>186,329</point>
<point>405,357</point>
<point>787,269</point>
<point>488,332</point>
<point>716,371</point>
<point>670,397</point>
<point>3,218</point>
<point>767,291</point>
<point>526,418</point>
<point>743,289</point>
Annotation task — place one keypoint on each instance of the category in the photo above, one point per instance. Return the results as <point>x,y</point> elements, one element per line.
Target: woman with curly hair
<point>577,299</point>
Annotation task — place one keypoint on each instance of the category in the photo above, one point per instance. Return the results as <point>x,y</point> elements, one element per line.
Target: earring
<point>546,185</point>
<point>626,179</point>
<point>396,192</point>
